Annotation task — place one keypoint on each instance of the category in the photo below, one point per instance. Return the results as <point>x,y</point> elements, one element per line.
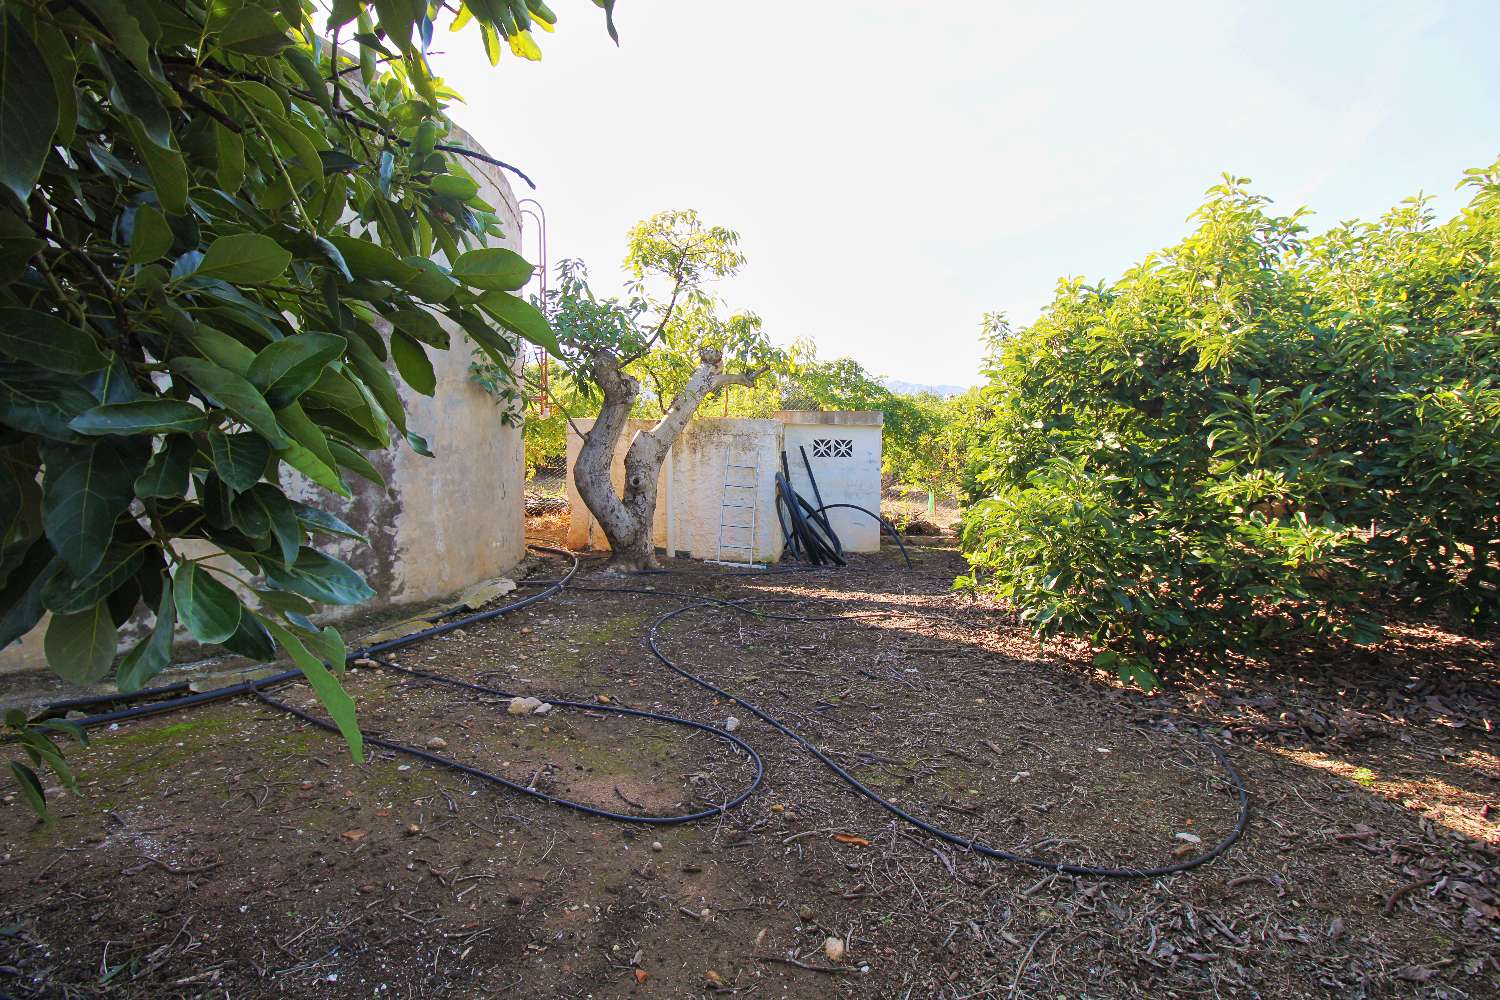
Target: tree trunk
<point>626,518</point>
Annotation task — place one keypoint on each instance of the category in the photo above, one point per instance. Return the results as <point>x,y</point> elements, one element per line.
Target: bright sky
<point>894,173</point>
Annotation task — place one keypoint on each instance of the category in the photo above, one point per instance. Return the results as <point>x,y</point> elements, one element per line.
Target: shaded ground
<point>233,851</point>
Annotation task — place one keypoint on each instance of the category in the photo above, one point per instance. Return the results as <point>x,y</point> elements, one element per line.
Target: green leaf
<point>136,98</point>
<point>420,325</point>
<point>210,610</point>
<point>67,594</point>
<point>351,459</point>
<point>143,416</point>
<point>377,379</point>
<point>333,696</point>
<point>252,639</point>
<point>287,368</point>
<point>493,269</point>
<point>80,647</point>
<point>307,451</point>
<point>521,317</point>
<point>226,389</point>
<point>240,458</point>
<point>229,149</point>
<point>322,578</point>
<point>58,52</point>
<point>152,654</point>
<point>372,261</point>
<point>31,788</point>
<point>125,29</point>
<point>84,490</point>
<point>21,604</point>
<point>28,108</point>
<point>244,258</point>
<point>222,349</point>
<point>413,364</point>
<point>168,170</point>
<point>166,474</point>
<point>42,339</point>
<point>280,515</point>
<point>151,238</point>
<point>455,186</point>
<point>317,519</point>
<point>254,32</point>
<point>38,403</point>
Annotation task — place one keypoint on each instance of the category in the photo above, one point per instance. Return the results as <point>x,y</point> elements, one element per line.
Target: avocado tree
<point>666,314</point>
<point>218,231</point>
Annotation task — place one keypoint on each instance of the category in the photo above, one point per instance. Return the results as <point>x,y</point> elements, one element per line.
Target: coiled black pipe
<point>247,687</point>
<point>557,800</point>
<point>692,603</point>
<point>888,526</point>
<point>1236,782</point>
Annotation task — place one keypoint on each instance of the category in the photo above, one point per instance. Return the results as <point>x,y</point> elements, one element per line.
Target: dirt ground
<point>232,851</point>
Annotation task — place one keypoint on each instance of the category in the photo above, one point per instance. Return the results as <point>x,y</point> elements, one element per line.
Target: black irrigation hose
<point>967,843</point>
<point>821,518</point>
<point>515,786</point>
<point>888,526</point>
<point>248,687</point>
<point>692,603</point>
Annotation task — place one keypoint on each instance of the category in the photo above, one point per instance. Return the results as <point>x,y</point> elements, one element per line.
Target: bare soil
<point>233,851</point>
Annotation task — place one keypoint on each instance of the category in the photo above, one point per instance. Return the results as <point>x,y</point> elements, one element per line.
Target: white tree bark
<point>626,518</point>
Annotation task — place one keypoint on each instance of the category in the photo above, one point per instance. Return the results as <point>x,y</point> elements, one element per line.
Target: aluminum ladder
<point>731,507</point>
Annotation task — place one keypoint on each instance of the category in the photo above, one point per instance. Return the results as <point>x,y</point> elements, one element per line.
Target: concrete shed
<point>844,449</point>
<point>694,510</point>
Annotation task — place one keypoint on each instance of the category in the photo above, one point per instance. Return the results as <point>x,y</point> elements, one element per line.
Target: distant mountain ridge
<point>903,388</point>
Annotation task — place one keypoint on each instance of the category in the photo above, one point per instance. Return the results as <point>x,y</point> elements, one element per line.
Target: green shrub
<point>1250,435</point>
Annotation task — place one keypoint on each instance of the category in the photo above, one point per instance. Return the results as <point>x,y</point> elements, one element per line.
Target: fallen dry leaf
<point>640,975</point>
<point>849,838</point>
<point>354,834</point>
<point>714,979</point>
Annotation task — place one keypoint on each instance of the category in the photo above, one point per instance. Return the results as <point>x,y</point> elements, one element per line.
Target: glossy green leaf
<point>84,490</point>
<point>254,32</point>
<point>151,655</point>
<point>413,364</point>
<point>493,269</point>
<point>210,610</point>
<point>151,238</point>
<point>245,258</point>
<point>166,474</point>
<point>21,604</point>
<point>420,324</point>
<point>46,340</point>
<point>356,462</point>
<point>28,108</point>
<point>143,416</point>
<point>334,698</point>
<point>240,459</point>
<point>307,450</point>
<point>66,593</point>
<point>321,577</point>
<point>80,647</point>
<point>287,368</point>
<point>235,394</point>
<point>521,317</point>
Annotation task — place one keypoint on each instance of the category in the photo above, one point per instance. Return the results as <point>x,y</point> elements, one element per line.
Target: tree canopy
<point>220,231</point>
<point>1251,434</point>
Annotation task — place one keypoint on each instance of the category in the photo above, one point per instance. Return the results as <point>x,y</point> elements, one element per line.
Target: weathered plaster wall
<point>697,477</point>
<point>853,479</point>
<point>441,523</point>
<point>696,487</point>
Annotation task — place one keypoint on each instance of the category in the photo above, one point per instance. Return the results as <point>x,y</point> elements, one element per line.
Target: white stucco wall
<point>692,495</point>
<point>691,492</point>
<point>441,523</point>
<point>853,479</point>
